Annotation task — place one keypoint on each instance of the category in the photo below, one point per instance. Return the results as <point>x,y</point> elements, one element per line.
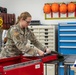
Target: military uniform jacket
<point>17,42</point>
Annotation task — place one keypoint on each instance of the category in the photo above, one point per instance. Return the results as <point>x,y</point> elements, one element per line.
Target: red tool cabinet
<point>22,65</point>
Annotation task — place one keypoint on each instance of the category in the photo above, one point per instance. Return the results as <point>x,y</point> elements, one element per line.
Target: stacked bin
<point>46,35</point>
<point>66,42</point>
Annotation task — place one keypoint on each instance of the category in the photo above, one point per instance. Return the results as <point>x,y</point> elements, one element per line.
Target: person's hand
<point>41,53</point>
<point>48,50</point>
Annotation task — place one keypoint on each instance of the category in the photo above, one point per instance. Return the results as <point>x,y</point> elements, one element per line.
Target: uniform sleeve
<point>18,39</point>
<point>35,42</point>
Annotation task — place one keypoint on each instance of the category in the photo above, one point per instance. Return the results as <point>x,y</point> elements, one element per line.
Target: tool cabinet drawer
<point>67,38</point>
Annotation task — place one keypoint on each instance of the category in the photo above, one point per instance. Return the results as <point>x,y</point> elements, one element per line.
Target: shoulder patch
<point>15,33</point>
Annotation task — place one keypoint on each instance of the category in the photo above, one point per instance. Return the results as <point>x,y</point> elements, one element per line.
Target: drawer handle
<point>46,43</point>
<point>46,33</point>
<point>46,29</point>
<point>46,36</point>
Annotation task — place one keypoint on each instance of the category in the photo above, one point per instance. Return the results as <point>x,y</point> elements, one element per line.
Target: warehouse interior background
<point>35,8</point>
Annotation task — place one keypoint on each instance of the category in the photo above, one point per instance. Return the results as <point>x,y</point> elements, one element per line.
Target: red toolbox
<point>22,65</point>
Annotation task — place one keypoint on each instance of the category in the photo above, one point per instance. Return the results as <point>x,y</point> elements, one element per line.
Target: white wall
<point>35,7</point>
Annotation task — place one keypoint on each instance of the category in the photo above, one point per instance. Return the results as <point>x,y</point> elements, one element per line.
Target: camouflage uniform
<point>17,42</point>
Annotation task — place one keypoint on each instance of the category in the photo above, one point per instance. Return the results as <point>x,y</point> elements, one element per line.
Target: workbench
<point>69,60</point>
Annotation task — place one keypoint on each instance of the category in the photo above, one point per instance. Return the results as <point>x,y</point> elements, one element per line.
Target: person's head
<point>24,19</point>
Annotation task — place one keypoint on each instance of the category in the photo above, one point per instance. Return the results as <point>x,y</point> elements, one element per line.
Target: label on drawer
<point>37,66</point>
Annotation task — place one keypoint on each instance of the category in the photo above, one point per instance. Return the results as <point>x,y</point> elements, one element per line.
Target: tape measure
<point>1,22</point>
